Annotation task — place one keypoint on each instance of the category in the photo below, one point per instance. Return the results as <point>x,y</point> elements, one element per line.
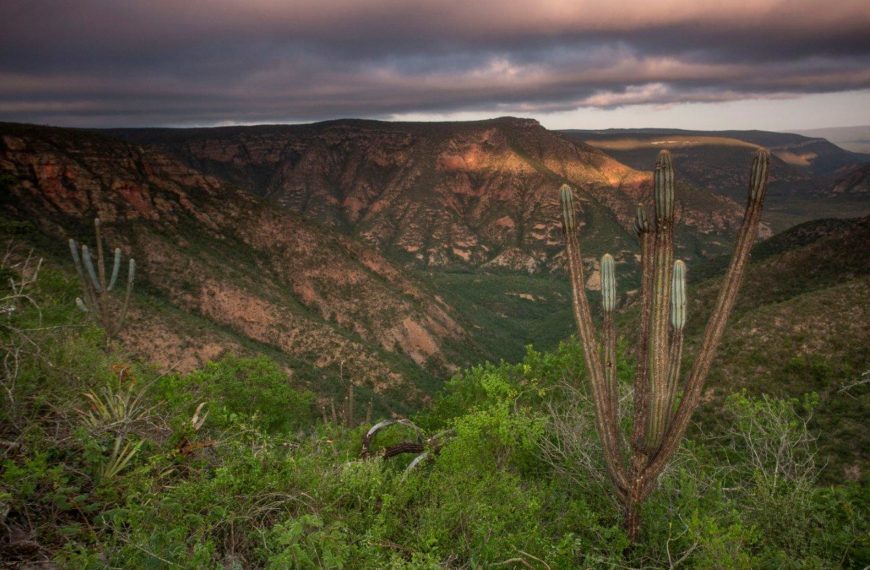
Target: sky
<point>586,64</point>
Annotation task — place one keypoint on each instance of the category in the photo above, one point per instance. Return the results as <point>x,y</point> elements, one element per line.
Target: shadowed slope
<point>222,254</point>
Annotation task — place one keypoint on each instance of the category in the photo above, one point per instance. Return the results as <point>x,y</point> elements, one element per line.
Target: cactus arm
<point>116,266</point>
<point>605,422</point>
<point>678,296</point>
<point>101,266</point>
<point>90,297</point>
<point>80,271</point>
<point>608,304</point>
<point>89,265</point>
<point>664,259</point>
<point>122,315</point>
<point>641,380</point>
<point>716,325</point>
<point>77,261</point>
<point>678,322</point>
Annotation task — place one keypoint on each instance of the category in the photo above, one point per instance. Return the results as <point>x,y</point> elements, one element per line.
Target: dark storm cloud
<point>122,62</point>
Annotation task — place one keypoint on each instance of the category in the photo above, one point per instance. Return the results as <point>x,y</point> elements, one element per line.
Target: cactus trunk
<point>659,347</point>
<point>605,421</point>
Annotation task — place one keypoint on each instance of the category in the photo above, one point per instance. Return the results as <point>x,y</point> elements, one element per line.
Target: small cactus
<point>659,423</point>
<point>95,299</point>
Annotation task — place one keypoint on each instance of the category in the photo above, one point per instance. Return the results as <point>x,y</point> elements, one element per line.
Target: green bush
<point>260,484</point>
<point>254,389</point>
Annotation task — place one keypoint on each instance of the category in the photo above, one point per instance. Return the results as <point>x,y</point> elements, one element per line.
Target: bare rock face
<point>230,258</point>
<point>436,195</point>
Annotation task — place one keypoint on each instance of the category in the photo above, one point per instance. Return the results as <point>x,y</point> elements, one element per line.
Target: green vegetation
<point>801,324</point>
<point>106,463</point>
<point>507,311</point>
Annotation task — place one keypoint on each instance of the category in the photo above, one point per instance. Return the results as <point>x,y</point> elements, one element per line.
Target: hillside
<point>452,196</point>
<point>230,467</point>
<point>471,208</point>
<point>229,464</point>
<point>856,139</point>
<point>806,173</point>
<point>218,258</point>
<point>801,324</point>
<point>467,208</point>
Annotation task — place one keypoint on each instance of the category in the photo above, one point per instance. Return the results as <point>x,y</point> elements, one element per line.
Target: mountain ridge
<point>441,195</point>
<point>230,258</point>
<point>810,178</point>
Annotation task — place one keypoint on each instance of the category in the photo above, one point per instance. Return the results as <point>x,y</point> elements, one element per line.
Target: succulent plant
<point>96,299</point>
<point>659,423</point>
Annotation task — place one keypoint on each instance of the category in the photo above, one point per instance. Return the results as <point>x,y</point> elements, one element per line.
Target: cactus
<point>96,300</point>
<point>659,423</point>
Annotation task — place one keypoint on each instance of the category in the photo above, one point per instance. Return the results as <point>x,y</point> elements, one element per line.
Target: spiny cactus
<point>96,300</point>
<point>659,424</point>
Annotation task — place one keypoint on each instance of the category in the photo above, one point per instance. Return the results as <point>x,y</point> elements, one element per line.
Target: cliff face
<point>438,195</point>
<point>300,238</point>
<point>218,252</point>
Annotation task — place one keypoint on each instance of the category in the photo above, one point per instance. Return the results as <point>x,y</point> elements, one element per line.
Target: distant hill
<point>393,252</point>
<point>447,196</point>
<point>856,139</point>
<point>405,248</point>
<point>802,324</point>
<point>805,172</point>
<point>222,269</point>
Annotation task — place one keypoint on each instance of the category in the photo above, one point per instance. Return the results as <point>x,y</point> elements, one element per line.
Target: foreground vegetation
<point>106,463</point>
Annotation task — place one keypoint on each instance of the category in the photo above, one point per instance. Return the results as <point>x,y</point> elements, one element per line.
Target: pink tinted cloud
<point>164,62</point>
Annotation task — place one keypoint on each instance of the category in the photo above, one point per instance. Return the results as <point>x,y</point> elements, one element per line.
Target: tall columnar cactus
<point>96,299</point>
<point>659,423</point>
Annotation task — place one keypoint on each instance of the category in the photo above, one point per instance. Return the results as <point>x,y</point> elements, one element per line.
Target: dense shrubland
<point>106,463</point>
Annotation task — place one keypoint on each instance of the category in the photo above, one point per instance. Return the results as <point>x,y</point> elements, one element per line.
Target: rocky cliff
<point>225,255</point>
<point>439,195</point>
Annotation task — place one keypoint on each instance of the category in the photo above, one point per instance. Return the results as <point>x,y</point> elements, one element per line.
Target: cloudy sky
<point>769,64</point>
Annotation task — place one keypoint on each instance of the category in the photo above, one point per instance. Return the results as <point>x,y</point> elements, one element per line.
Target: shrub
<point>255,389</point>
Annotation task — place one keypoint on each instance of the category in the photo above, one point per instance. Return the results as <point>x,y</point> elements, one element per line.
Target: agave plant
<point>116,406</point>
<point>119,458</point>
<point>424,447</point>
<point>663,402</point>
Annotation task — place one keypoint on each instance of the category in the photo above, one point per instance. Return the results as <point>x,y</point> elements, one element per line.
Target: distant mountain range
<point>856,139</point>
<point>389,253</point>
<point>810,177</point>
